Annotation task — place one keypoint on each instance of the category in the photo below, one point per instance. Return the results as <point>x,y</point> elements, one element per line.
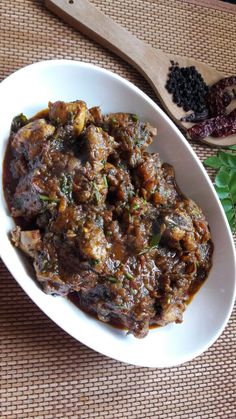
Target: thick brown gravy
<point>116,235</point>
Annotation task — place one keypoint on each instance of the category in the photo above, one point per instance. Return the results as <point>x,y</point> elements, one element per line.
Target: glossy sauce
<point>132,244</point>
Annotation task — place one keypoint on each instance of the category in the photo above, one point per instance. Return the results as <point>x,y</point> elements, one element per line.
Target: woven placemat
<point>44,373</point>
<point>224,5</point>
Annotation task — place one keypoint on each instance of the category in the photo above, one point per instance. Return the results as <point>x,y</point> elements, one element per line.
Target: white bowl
<point>28,90</point>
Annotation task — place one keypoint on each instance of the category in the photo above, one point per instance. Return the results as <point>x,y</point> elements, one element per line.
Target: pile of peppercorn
<point>187,87</point>
<point>208,104</point>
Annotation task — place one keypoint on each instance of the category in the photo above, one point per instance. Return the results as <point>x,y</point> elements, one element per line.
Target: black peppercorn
<point>187,87</point>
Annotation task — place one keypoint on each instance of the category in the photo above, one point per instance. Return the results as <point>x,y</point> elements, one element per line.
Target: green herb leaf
<point>230,214</point>
<point>134,117</point>
<point>222,192</point>
<point>225,182</point>
<point>223,157</point>
<point>155,240</point>
<point>47,198</point>
<point>113,120</point>
<point>94,262</point>
<point>67,185</point>
<point>129,276</point>
<point>232,160</point>
<point>232,186</point>
<point>213,162</point>
<point>227,204</point>
<point>105,181</point>
<point>18,122</point>
<point>96,192</point>
<point>232,224</point>
<point>111,279</point>
<point>153,244</point>
<point>222,178</point>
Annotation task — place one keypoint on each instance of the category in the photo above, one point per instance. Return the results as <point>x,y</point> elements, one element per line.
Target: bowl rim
<point>65,62</point>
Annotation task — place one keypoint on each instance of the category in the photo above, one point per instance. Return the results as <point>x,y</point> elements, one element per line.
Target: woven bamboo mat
<point>44,373</point>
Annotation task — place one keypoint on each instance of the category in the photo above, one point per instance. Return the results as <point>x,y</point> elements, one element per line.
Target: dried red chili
<point>220,126</point>
<point>217,98</point>
<point>227,126</point>
<point>222,84</point>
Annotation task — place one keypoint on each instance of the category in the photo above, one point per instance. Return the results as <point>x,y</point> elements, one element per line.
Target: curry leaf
<point>233,197</point>
<point>213,162</point>
<point>225,181</point>
<point>222,178</point>
<point>232,183</point>
<point>232,160</point>
<point>222,192</point>
<point>227,159</point>
<point>227,204</point>
<point>230,215</point>
<point>223,157</point>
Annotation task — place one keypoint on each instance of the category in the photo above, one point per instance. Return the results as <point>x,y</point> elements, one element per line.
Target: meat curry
<point>103,219</point>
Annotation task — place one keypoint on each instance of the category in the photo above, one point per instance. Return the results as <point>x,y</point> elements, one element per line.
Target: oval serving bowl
<point>28,90</point>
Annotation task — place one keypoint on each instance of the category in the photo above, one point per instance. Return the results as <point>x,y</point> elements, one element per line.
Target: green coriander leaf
<point>18,122</point>
<point>47,198</point>
<point>105,181</point>
<point>111,279</point>
<point>96,192</point>
<point>134,117</point>
<point>128,275</point>
<point>232,147</point>
<point>227,204</point>
<point>222,178</point>
<point>213,162</point>
<point>155,240</point>
<point>66,185</point>
<point>94,262</point>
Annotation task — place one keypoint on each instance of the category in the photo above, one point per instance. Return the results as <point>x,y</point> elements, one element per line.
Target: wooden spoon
<point>152,63</point>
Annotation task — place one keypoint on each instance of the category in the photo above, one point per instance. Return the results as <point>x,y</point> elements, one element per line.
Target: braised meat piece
<point>73,113</point>
<point>103,220</point>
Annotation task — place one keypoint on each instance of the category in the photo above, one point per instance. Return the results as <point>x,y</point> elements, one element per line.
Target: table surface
<point>44,373</point>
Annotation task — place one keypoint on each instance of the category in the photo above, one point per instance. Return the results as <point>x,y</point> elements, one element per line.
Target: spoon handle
<point>85,17</point>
